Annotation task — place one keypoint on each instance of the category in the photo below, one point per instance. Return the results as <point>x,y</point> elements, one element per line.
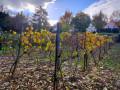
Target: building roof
<point>91,28</point>
<point>111,24</point>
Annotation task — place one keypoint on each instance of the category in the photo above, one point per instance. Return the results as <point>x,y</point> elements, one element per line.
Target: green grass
<point>112,59</point>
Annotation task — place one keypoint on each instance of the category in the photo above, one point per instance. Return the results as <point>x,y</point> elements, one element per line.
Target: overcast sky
<point>56,8</point>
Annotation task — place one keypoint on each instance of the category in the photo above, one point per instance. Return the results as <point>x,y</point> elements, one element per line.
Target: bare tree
<point>115,15</point>
<point>19,21</point>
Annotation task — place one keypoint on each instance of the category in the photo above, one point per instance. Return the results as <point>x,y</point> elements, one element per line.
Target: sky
<point>57,8</point>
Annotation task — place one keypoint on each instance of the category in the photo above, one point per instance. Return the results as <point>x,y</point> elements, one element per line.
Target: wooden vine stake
<point>57,62</point>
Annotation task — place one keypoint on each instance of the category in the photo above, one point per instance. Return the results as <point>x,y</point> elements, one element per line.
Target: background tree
<point>99,20</point>
<point>4,21</point>
<point>1,7</point>
<point>81,21</point>
<point>65,21</point>
<point>19,22</point>
<point>40,20</point>
<point>116,17</point>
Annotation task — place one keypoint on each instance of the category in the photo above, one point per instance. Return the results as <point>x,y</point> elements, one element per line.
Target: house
<point>111,24</point>
<point>54,27</point>
<point>71,30</point>
<point>91,28</point>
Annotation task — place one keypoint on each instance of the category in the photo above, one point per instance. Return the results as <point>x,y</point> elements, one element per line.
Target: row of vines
<point>76,49</point>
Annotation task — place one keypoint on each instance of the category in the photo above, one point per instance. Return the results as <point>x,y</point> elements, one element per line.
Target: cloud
<point>52,22</point>
<point>45,6</point>
<point>107,6</point>
<point>21,5</point>
<point>56,8</point>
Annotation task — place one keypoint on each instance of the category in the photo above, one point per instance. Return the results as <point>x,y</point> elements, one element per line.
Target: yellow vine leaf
<point>14,32</point>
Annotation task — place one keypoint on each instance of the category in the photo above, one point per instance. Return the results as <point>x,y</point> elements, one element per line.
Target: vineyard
<point>27,61</point>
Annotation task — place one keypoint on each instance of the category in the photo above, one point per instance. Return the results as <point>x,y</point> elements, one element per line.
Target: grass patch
<point>112,59</point>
